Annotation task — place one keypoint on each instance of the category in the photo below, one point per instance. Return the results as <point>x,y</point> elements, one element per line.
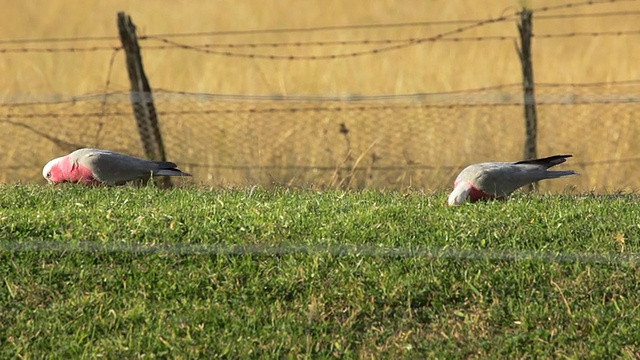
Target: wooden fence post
<point>525,27</point>
<point>141,95</point>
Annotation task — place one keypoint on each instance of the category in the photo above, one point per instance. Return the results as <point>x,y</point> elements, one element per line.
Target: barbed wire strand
<point>312,29</point>
<point>59,50</point>
<point>400,43</point>
<point>590,33</point>
<point>577,4</point>
<point>318,43</point>
<point>340,27</point>
<point>590,15</point>
<point>250,32</point>
<point>406,44</point>
<point>247,32</point>
<point>328,42</point>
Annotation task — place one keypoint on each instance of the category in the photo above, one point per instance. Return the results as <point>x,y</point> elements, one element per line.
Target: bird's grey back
<point>115,168</point>
<point>503,178</point>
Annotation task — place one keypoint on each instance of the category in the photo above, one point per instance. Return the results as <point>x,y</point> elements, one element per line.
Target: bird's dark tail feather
<point>166,165</point>
<point>167,168</point>
<point>558,174</point>
<point>548,161</point>
<point>171,172</point>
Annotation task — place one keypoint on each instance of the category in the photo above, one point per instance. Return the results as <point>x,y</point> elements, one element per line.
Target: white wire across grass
<point>619,258</point>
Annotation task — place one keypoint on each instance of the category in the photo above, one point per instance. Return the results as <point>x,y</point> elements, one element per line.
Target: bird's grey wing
<point>514,176</point>
<point>115,168</point>
<point>501,178</point>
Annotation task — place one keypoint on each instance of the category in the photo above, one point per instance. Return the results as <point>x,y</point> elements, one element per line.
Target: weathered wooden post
<point>525,27</point>
<point>141,95</point>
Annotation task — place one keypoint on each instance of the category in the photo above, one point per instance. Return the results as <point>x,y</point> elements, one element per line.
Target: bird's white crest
<point>47,168</point>
<point>459,194</point>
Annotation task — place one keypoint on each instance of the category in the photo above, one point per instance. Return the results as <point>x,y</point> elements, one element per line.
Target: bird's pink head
<point>62,169</point>
<point>463,190</point>
<point>53,171</point>
<point>460,193</point>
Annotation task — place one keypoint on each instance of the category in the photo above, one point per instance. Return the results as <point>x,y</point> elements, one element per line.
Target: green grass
<point>73,286</point>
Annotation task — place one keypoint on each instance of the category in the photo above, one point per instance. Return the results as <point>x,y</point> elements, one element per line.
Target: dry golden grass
<point>398,135</point>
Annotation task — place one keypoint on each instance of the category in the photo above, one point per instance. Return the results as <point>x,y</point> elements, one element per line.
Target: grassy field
<point>237,273</point>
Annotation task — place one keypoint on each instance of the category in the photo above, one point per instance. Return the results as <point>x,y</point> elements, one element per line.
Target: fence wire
<point>421,252</point>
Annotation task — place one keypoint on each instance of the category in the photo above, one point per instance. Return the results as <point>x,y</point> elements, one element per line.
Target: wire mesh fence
<point>419,140</point>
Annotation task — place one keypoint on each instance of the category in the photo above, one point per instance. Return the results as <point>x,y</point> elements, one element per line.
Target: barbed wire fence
<point>383,141</point>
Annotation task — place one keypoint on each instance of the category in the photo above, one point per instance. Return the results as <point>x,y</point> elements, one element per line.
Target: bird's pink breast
<point>83,175</point>
<point>476,194</point>
<point>75,172</point>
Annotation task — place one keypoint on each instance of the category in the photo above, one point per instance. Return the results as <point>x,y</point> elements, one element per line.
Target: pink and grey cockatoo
<point>497,180</point>
<point>97,166</point>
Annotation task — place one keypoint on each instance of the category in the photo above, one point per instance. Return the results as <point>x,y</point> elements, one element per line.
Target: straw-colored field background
<point>388,142</point>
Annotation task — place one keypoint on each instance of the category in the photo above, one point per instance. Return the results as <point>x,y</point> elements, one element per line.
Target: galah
<point>97,166</point>
<point>497,180</point>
